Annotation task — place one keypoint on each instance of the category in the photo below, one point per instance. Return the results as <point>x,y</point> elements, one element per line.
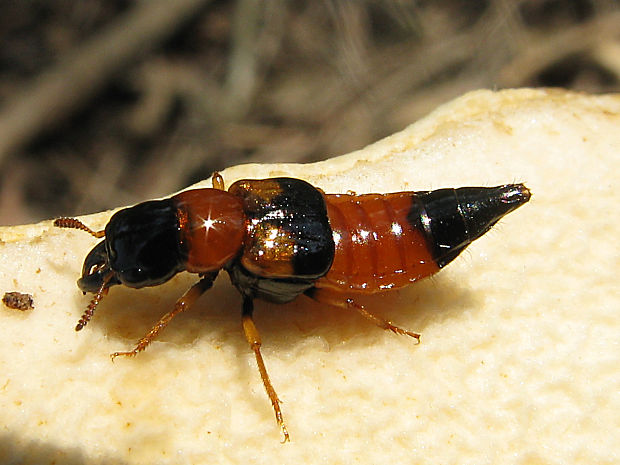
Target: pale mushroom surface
<point>520,351</point>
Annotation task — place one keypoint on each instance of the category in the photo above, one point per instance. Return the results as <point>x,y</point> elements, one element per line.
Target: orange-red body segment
<point>211,228</point>
<point>377,247</point>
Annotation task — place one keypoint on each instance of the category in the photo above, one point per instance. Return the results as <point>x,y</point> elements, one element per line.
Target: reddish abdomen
<point>377,247</point>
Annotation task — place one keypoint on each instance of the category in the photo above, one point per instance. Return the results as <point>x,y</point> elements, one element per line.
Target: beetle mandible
<point>281,237</point>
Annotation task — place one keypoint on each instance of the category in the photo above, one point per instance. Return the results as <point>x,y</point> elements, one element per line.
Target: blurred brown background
<point>107,102</point>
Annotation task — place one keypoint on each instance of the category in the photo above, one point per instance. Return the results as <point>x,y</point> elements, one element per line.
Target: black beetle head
<point>141,247</point>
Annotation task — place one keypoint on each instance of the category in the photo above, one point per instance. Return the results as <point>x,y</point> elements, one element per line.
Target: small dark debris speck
<point>18,301</point>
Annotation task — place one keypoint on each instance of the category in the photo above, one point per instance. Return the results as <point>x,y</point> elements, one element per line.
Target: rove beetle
<point>281,237</point>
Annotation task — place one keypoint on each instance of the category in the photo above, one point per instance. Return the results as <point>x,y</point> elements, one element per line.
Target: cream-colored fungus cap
<point>520,351</point>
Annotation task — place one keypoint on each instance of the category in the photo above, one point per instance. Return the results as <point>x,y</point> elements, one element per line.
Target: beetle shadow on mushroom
<point>125,315</point>
<point>412,308</point>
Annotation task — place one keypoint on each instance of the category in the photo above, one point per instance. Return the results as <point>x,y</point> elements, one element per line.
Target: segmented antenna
<point>74,223</point>
<point>90,310</point>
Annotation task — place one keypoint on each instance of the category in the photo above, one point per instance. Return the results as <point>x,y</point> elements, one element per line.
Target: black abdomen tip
<point>514,194</point>
<point>454,218</point>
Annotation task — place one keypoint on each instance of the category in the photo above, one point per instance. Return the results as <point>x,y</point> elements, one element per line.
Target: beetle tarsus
<point>125,354</point>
